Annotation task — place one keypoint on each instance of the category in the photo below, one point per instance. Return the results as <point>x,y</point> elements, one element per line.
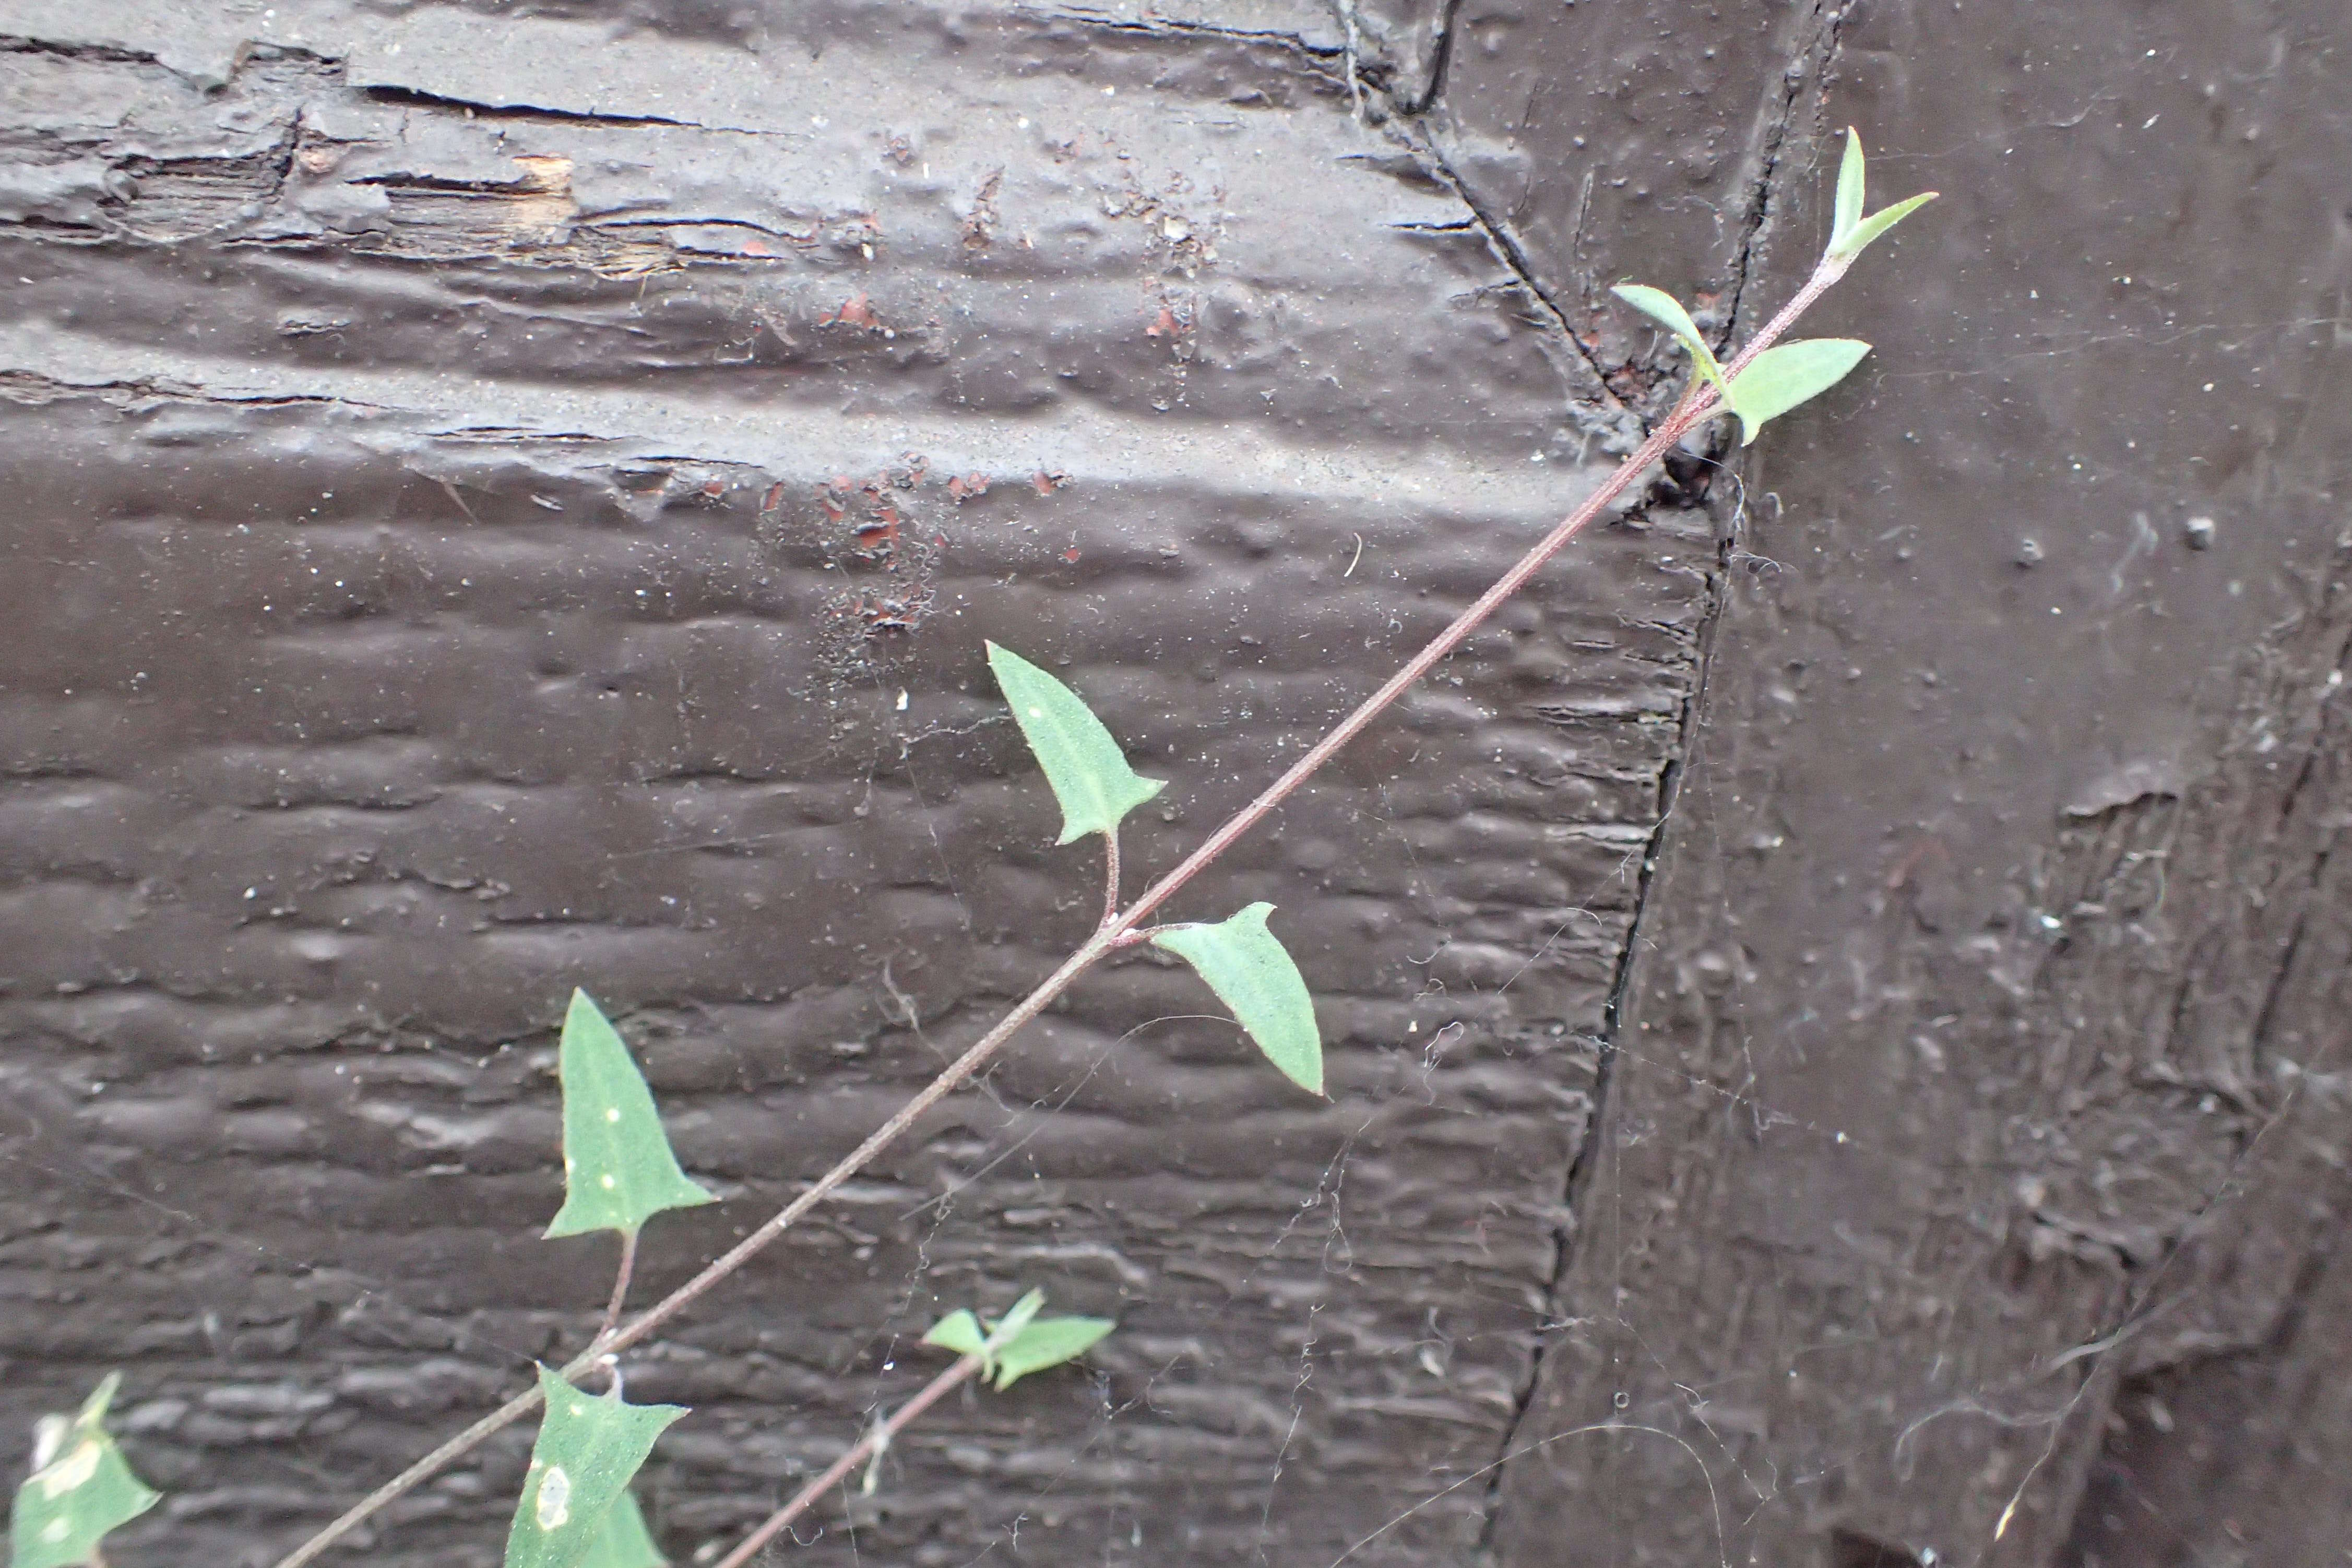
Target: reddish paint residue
<point>1164,325</point>
<point>893,612</point>
<point>773,498</point>
<point>855,312</point>
<point>1071,554</point>
<point>714,489</point>
<point>877,533</point>
<point>1046,481</point>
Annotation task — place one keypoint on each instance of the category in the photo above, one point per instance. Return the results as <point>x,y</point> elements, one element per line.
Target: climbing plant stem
<point>877,1438</point>
<point>1698,403</point>
<point>620,1288</point>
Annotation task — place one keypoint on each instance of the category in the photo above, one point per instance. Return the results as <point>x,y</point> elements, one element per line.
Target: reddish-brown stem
<point>1110,877</point>
<point>880,1436</point>
<point>1698,403</point>
<point>620,1290</point>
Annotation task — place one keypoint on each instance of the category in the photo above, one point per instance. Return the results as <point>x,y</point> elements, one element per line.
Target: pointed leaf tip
<point>1084,764</point>
<point>1849,192</point>
<point>1252,974</point>
<point>618,1170</point>
<point>589,1447</point>
<point>1781,378</point>
<point>81,1489</point>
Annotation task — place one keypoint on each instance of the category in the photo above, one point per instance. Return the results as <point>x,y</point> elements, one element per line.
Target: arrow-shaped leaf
<point>1252,973</point>
<point>1850,232</point>
<point>80,1488</point>
<point>959,1332</point>
<point>589,1445</point>
<point>618,1170</point>
<point>1781,378</point>
<point>1667,311</point>
<point>1088,772</point>
<point>1048,1342</point>
<point>1011,1347</point>
<point>625,1541</point>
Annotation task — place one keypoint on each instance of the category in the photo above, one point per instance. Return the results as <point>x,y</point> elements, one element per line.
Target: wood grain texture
<point>499,502</point>
<point>504,503</point>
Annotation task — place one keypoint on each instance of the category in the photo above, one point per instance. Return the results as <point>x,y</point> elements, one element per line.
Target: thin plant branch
<point>877,1438</point>
<point>620,1290</point>
<point>1698,403</point>
<point>1110,877</point>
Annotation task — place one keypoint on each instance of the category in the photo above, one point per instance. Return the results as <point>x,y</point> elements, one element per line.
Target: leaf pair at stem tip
<point>1786,375</point>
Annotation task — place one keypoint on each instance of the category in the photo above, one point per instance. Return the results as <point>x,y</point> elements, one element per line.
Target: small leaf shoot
<point>1879,222</point>
<point>1667,311</point>
<point>1781,378</point>
<point>1252,973</point>
<point>1020,1342</point>
<point>1081,762</point>
<point>1850,232</point>
<point>618,1170</point>
<point>589,1447</point>
<point>80,1488</point>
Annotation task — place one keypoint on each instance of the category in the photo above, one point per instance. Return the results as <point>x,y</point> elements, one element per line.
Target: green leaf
<point>1021,1341</point>
<point>81,1487</point>
<point>618,1170</point>
<point>1088,772</point>
<point>625,1541</point>
<point>1781,378</point>
<point>1850,232</point>
<point>1879,222</point>
<point>1002,1330</point>
<point>1849,192</point>
<point>1251,972</point>
<point>1667,311</point>
<point>1047,1342</point>
<point>959,1332</point>
<point>589,1445</point>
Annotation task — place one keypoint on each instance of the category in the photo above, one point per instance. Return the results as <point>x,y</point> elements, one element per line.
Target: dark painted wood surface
<point>495,505</point>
